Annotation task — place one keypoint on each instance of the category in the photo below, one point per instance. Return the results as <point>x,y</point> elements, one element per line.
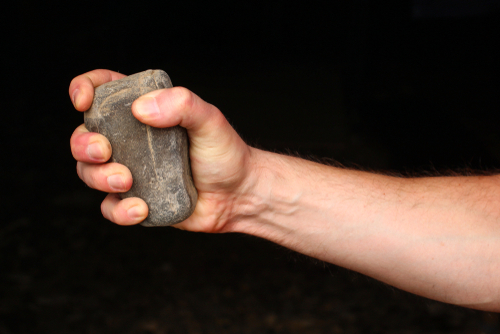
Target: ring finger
<point>111,177</point>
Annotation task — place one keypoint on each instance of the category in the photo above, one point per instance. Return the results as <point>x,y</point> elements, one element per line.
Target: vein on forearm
<point>435,236</point>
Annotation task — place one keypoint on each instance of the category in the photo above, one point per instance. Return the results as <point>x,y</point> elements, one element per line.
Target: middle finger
<point>111,177</point>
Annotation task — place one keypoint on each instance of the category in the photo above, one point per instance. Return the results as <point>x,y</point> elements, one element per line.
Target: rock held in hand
<point>157,158</point>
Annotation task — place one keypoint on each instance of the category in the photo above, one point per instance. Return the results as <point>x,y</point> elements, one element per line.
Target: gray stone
<point>157,158</point>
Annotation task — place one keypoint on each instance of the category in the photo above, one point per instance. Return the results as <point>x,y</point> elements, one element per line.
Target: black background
<point>396,86</point>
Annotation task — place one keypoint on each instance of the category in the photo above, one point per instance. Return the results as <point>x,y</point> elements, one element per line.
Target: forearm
<point>436,237</point>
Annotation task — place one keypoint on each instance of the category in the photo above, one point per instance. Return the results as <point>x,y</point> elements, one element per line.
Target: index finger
<point>81,89</point>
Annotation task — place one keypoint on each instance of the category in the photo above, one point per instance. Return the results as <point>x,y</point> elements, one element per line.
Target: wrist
<point>248,204</point>
<point>280,198</point>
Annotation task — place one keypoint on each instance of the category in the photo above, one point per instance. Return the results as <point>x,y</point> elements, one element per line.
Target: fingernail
<point>147,107</point>
<point>75,96</point>
<point>116,182</point>
<point>136,212</point>
<point>94,151</point>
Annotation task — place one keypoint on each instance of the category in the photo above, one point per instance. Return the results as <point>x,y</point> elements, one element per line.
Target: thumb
<point>213,142</point>
<point>179,106</point>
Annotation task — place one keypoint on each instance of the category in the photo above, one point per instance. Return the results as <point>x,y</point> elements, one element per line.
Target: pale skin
<point>438,237</point>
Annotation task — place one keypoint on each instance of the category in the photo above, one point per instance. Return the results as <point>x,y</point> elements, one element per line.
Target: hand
<point>220,159</point>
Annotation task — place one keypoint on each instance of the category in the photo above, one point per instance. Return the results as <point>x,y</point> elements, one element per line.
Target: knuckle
<point>113,216</point>
<point>72,141</point>
<point>92,180</point>
<point>76,147</point>
<point>74,137</point>
<point>105,211</point>
<point>79,170</point>
<point>88,175</point>
<point>74,152</point>
<point>73,83</point>
<point>185,98</point>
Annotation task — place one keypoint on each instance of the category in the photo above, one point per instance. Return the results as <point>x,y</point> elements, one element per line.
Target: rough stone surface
<point>157,158</point>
